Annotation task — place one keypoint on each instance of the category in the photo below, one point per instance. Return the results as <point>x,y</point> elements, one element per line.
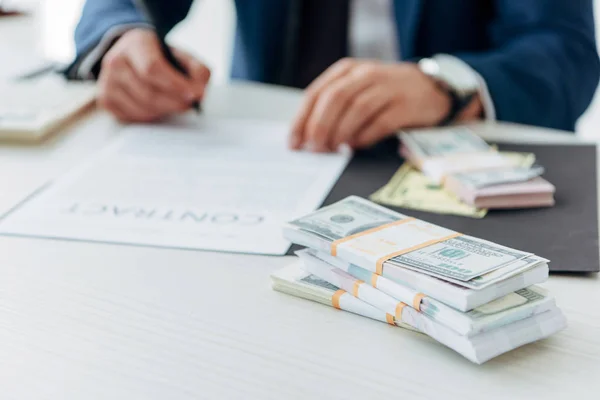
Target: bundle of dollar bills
<point>410,188</point>
<point>474,296</point>
<point>474,171</point>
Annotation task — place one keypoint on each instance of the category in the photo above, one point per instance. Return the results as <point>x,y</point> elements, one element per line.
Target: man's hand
<point>361,102</point>
<point>137,84</point>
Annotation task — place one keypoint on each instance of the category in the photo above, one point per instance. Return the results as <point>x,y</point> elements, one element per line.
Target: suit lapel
<point>408,14</point>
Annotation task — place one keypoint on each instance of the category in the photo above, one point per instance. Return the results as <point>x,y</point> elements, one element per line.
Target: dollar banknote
<point>441,153</point>
<point>478,349</point>
<point>439,143</point>
<point>461,258</point>
<point>484,178</point>
<point>410,188</point>
<point>295,281</point>
<point>504,273</point>
<point>386,295</point>
<point>345,218</point>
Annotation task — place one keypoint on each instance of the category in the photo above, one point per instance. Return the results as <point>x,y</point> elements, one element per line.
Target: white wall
<point>208,33</point>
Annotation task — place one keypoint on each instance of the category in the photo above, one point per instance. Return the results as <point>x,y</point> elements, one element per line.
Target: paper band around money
<point>336,243</point>
<point>355,287</point>
<point>374,278</point>
<point>335,300</point>
<point>390,319</point>
<point>398,251</point>
<point>382,260</point>
<point>417,301</point>
<point>399,307</point>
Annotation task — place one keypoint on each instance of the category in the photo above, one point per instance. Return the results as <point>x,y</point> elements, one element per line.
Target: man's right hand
<point>137,84</point>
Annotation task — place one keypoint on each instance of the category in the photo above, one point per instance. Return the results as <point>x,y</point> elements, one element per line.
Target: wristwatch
<point>455,78</point>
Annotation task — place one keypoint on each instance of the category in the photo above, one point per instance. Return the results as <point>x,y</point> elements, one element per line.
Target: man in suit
<point>370,67</point>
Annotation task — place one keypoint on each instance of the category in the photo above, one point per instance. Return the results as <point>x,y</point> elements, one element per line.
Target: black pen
<point>152,9</point>
<point>38,72</point>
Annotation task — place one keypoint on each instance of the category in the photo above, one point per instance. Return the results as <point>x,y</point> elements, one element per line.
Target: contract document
<point>226,185</point>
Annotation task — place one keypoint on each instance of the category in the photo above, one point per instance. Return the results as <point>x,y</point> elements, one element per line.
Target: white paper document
<point>225,185</point>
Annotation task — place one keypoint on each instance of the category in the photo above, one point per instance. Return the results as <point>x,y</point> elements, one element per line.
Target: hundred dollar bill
<point>522,168</point>
<point>516,186</point>
<point>460,297</point>
<point>491,177</point>
<point>501,274</point>
<point>428,143</point>
<point>410,188</point>
<point>460,258</point>
<point>478,349</point>
<point>442,152</point>
<point>298,282</point>
<point>344,218</point>
<point>387,295</point>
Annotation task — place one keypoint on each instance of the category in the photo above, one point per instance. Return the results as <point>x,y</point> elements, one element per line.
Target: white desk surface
<point>91,321</point>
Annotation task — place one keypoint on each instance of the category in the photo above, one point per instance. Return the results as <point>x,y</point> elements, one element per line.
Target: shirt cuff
<point>86,66</point>
<point>484,94</point>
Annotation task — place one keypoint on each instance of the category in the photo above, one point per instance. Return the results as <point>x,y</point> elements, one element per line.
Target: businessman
<point>369,67</point>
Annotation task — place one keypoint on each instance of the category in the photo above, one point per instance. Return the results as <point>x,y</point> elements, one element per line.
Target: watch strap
<point>457,105</point>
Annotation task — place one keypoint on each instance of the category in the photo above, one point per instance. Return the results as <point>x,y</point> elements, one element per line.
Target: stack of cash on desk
<point>474,171</point>
<point>476,297</point>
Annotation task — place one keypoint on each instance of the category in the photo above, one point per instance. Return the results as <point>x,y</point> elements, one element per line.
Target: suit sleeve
<point>544,69</point>
<point>100,17</point>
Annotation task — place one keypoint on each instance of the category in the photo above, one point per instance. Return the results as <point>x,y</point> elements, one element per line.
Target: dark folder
<point>567,233</point>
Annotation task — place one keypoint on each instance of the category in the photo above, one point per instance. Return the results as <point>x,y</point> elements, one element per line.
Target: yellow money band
<point>374,278</point>
<point>336,243</point>
<point>417,301</point>
<point>335,300</point>
<point>398,311</point>
<point>390,319</point>
<point>355,287</point>
<point>382,260</point>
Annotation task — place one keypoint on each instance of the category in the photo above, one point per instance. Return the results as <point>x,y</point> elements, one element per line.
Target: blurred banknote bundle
<point>473,172</point>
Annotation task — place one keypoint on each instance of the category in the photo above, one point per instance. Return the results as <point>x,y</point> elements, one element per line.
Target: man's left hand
<point>361,102</point>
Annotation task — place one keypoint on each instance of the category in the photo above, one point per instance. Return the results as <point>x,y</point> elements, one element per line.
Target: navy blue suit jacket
<point>538,57</point>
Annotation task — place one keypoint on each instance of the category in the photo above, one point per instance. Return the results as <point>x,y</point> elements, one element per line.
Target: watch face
<point>457,74</point>
<point>430,67</point>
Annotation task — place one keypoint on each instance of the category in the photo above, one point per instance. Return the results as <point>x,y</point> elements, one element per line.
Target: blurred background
<point>207,32</point>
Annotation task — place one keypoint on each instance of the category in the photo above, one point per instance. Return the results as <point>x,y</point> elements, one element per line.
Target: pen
<point>38,72</point>
<point>152,10</point>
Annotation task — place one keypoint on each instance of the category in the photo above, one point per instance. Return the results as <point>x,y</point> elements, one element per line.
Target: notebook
<point>32,109</point>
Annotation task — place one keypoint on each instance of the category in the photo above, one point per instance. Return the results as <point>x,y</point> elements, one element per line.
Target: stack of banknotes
<point>474,296</point>
<point>409,188</point>
<point>474,171</point>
